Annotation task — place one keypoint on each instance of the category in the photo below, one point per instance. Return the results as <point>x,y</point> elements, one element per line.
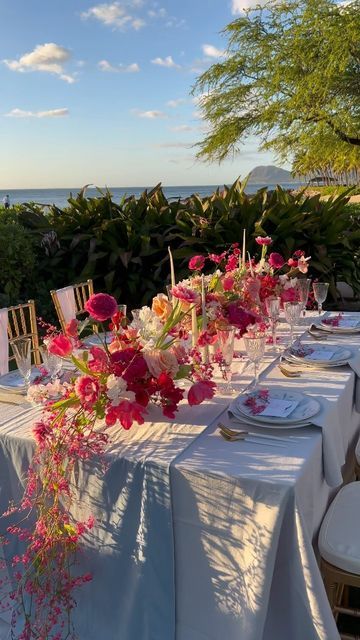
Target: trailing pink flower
<point>184,294</point>
<point>276,260</point>
<point>264,242</point>
<point>60,346</point>
<point>87,390</point>
<point>200,391</point>
<point>101,306</point>
<point>197,263</point>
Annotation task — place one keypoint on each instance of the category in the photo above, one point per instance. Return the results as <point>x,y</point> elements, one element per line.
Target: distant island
<point>270,175</point>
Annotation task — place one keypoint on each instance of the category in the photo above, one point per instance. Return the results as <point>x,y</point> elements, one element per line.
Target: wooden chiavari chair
<point>22,324</point>
<point>82,293</point>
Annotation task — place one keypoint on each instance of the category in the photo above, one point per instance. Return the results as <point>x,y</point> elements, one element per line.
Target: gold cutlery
<point>289,373</point>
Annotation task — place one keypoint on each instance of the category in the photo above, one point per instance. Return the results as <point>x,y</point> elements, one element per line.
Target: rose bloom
<point>161,306</point>
<point>276,260</point>
<point>87,390</point>
<point>263,241</point>
<point>161,361</point>
<point>101,306</point>
<point>196,263</point>
<point>184,294</point>
<point>60,346</point>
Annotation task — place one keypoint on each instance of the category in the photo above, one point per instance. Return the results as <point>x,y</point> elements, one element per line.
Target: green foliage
<point>17,261</point>
<point>123,246</point>
<point>291,72</point>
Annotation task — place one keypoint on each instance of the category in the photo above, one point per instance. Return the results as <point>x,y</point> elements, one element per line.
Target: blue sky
<point>100,93</point>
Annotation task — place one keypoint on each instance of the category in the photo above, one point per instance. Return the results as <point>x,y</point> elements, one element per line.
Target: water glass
<point>122,308</point>
<point>320,290</point>
<point>292,316</point>
<point>303,288</point>
<point>22,351</point>
<point>52,363</point>
<point>255,348</point>
<point>226,339</point>
<point>273,311</point>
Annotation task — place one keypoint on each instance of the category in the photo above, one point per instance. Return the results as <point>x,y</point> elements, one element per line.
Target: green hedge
<point>123,246</point>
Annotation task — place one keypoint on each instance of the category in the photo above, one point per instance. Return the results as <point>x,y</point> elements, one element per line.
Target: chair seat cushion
<point>357,452</point>
<point>339,538</point>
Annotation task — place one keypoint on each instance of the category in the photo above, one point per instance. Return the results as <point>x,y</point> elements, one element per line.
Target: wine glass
<point>320,290</point>
<point>22,351</point>
<point>52,363</point>
<point>303,288</point>
<point>292,315</point>
<point>255,347</point>
<point>273,310</point>
<point>226,343</point>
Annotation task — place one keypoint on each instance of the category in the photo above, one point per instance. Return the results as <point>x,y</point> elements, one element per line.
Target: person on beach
<point>6,202</point>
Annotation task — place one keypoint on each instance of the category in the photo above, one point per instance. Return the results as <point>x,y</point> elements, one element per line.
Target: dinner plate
<point>339,358</point>
<point>306,408</point>
<point>13,382</point>
<point>339,329</point>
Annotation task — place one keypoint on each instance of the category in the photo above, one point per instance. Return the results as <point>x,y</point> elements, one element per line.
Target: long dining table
<point>199,538</point>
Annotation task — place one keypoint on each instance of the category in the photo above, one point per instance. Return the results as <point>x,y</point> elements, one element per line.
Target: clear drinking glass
<point>52,363</point>
<point>273,311</point>
<point>292,316</point>
<point>255,348</point>
<point>320,290</point>
<point>303,288</point>
<point>22,351</point>
<point>226,344</point>
<point>122,308</point>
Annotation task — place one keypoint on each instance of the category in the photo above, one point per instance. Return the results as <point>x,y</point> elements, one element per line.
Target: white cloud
<point>48,57</point>
<point>52,113</point>
<point>166,62</point>
<point>151,115</point>
<point>212,52</point>
<point>238,6</point>
<point>182,127</point>
<point>104,65</point>
<point>175,103</point>
<point>117,14</point>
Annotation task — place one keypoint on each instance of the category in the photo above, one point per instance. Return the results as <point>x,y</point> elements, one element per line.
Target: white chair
<point>70,301</point>
<point>339,545</point>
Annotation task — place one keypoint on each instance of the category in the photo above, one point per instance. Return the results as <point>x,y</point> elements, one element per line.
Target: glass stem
<point>291,334</point>
<point>273,328</point>
<point>256,374</point>
<point>320,308</point>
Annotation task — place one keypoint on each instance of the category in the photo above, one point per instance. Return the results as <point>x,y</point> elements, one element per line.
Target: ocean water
<point>59,196</point>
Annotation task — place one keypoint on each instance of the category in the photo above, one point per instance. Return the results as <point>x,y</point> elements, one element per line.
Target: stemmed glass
<point>226,343</point>
<point>273,310</point>
<point>303,288</point>
<point>52,363</point>
<point>255,347</point>
<point>292,315</point>
<point>22,351</point>
<point>320,290</point>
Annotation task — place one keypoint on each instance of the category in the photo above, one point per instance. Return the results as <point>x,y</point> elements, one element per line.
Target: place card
<point>277,408</point>
<point>320,355</point>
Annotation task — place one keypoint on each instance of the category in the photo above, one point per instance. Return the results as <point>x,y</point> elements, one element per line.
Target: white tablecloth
<point>199,538</point>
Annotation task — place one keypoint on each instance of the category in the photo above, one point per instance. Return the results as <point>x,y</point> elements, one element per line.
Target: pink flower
<point>217,258</point>
<point>228,283</point>
<point>71,328</point>
<point>159,360</point>
<point>101,306</point>
<point>87,390</point>
<point>206,338</point>
<point>292,263</point>
<point>276,260</point>
<point>299,253</point>
<point>99,361</point>
<point>263,241</point>
<point>60,346</point>
<point>200,391</point>
<point>184,294</point>
<point>238,317</point>
<point>196,263</point>
<point>126,413</point>
<point>303,264</point>
<point>289,295</point>
<point>232,263</point>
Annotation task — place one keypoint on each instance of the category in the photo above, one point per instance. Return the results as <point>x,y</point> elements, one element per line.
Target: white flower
<point>116,390</point>
<point>148,326</point>
<point>286,282</point>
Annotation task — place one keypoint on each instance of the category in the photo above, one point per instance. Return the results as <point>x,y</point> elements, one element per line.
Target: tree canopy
<point>290,75</point>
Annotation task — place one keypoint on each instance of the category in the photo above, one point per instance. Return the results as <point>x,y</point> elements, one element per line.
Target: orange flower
<point>161,306</point>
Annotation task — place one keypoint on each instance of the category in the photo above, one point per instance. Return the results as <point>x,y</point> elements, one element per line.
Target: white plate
<point>13,382</point>
<point>97,339</point>
<point>332,329</point>
<point>339,358</point>
<point>307,408</point>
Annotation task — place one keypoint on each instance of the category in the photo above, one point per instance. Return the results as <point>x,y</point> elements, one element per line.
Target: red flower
<point>238,317</point>
<point>228,283</point>
<point>206,338</point>
<point>196,263</point>
<point>200,391</point>
<point>101,306</point>
<point>276,260</point>
<point>263,241</point>
<point>292,263</point>
<point>299,253</point>
<point>60,346</point>
<point>87,390</point>
<point>232,263</point>
<point>71,328</point>
<point>126,413</point>
<point>99,362</point>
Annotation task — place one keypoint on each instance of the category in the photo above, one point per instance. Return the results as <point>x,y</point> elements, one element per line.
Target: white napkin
<point>4,342</point>
<point>66,299</point>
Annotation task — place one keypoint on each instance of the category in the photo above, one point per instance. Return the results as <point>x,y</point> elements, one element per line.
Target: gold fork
<point>288,373</point>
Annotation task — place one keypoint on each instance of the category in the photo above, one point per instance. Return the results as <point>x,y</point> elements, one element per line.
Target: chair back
<point>22,324</point>
<point>81,292</point>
